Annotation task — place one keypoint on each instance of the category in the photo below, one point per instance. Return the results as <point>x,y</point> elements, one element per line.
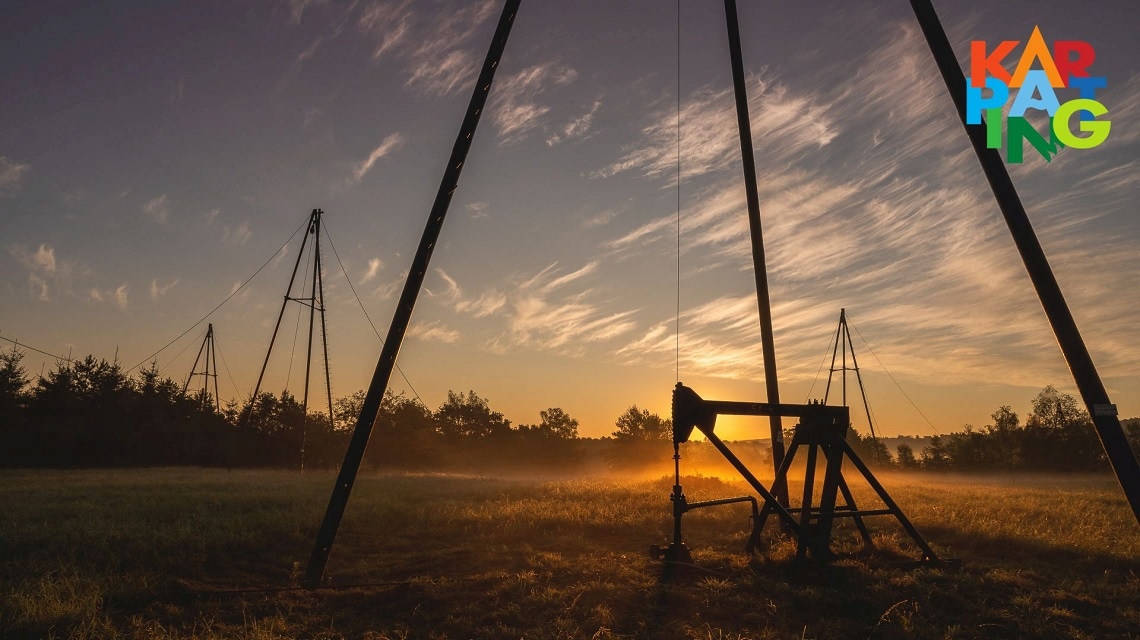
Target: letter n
<point>1018,130</point>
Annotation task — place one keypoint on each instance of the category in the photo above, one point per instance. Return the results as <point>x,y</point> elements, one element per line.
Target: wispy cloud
<point>390,24</point>
<point>391,143</point>
<point>44,258</point>
<point>374,266</point>
<point>601,218</point>
<point>48,276</point>
<point>481,306</point>
<point>851,214</point>
<point>309,51</point>
<point>516,107</point>
<point>157,209</point>
<point>433,332</point>
<point>578,126</point>
<point>12,175</point>
<point>477,210</point>
<point>237,236</point>
<point>159,290</point>
<point>119,296</point>
<point>296,8</point>
<point>435,45</point>
<point>789,123</point>
<point>551,310</point>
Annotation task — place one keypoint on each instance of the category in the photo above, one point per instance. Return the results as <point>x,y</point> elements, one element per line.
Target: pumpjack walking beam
<point>1092,390</point>
<point>760,269</point>
<point>376,389</point>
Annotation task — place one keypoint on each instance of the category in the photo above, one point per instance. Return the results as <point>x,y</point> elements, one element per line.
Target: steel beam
<point>767,341</point>
<point>403,315</point>
<point>1100,408</point>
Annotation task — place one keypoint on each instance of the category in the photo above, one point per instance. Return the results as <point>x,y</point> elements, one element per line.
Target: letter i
<point>993,128</point>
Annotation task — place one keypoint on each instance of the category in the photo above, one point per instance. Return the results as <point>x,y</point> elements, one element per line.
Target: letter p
<point>975,103</point>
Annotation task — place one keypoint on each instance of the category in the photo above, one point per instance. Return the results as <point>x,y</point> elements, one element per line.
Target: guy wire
<point>678,330</point>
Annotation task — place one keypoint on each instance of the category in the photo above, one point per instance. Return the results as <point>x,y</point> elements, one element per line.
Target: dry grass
<point>148,553</point>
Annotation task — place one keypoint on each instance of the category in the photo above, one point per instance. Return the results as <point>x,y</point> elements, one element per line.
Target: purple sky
<point>152,157</point>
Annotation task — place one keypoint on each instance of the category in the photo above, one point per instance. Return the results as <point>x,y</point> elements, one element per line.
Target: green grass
<point>153,553</point>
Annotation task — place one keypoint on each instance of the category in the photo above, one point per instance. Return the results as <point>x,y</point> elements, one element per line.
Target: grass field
<point>181,553</point>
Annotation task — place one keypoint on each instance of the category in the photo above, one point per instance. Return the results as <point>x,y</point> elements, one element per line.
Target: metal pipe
<point>769,499</point>
<point>768,343</point>
<point>403,315</point>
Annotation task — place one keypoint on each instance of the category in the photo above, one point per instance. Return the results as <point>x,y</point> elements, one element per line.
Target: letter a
<point>1036,48</point>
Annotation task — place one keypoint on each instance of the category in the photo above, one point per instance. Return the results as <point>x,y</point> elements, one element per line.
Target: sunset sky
<point>154,156</point>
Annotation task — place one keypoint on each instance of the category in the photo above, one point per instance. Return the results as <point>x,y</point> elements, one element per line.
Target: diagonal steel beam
<point>767,341</point>
<point>1092,390</point>
<point>379,385</point>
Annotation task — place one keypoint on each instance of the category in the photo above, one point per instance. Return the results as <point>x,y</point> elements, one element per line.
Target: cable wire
<point>830,349</point>
<point>678,331</point>
<point>17,343</point>
<point>347,279</point>
<point>179,354</point>
<point>232,294</point>
<point>868,345</point>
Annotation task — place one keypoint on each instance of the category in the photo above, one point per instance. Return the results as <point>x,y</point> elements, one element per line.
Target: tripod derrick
<point>315,303</point>
<point>207,355</point>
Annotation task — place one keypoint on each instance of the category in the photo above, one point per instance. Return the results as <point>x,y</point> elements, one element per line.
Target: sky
<point>154,157</point>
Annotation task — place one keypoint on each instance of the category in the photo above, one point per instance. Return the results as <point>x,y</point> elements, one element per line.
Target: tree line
<point>91,413</point>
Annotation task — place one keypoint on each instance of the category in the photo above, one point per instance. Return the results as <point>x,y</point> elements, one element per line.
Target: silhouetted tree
<point>470,418</point>
<point>638,424</point>
<point>405,434</point>
<point>640,437</point>
<point>551,445</point>
<point>13,408</point>
<point>870,449</point>
<point>347,410</point>
<point>934,457</point>
<point>905,457</point>
<point>1132,432</point>
<point>555,424</point>
<point>1059,435</point>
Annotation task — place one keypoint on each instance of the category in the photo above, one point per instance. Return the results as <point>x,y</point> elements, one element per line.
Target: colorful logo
<point>1066,67</point>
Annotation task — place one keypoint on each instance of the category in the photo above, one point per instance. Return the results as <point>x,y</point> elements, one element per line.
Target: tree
<point>641,438</point>
<point>640,425</point>
<point>556,424</point>
<point>906,459</point>
<point>13,382</point>
<point>346,410</point>
<point>13,407</point>
<point>1132,432</point>
<point>1059,435</point>
<point>406,433</point>
<point>1003,440</point>
<point>77,412</point>
<point>934,457</point>
<point>470,418</point>
<point>869,448</point>
<point>552,444</point>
